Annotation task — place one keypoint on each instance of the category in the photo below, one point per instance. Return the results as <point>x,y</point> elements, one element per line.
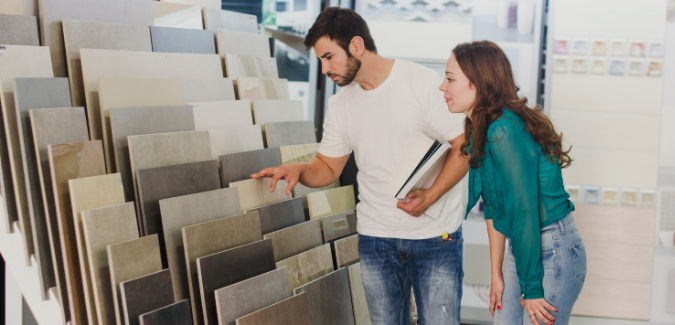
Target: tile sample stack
<point>309,265</point>
<point>18,30</point>
<point>289,133</point>
<point>175,314</point>
<point>346,250</point>
<point>145,294</point>
<point>180,40</point>
<point>240,166</point>
<point>280,215</point>
<point>359,303</point>
<point>215,19</point>
<point>331,201</point>
<point>254,193</point>
<point>262,88</point>
<point>221,114</point>
<point>294,310</point>
<point>329,299</point>
<point>296,239</point>
<point>177,15</point>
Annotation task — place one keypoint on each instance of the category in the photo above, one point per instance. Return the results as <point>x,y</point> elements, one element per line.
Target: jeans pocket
<point>578,252</point>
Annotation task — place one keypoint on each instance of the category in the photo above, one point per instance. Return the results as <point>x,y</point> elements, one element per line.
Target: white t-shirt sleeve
<point>448,125</point>
<point>333,143</point>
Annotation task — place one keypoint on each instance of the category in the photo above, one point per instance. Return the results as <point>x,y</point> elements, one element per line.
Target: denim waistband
<point>560,224</point>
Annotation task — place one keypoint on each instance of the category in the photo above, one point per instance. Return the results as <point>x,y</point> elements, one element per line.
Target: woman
<point>516,158</point>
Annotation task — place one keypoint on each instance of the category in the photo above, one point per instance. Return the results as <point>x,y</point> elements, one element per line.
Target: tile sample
<point>12,7</point>
<point>159,183</point>
<point>234,42</point>
<point>329,299</point>
<point>215,19</point>
<point>145,294</point>
<point>207,89</point>
<point>92,34</point>
<point>277,216</point>
<point>359,303</point>
<point>309,265</point>
<point>238,65</point>
<point>240,166</point>
<point>212,237</point>
<point>294,310</point>
<point>130,260</point>
<point>296,239</point>
<point>234,139</point>
<point>177,15</point>
<point>221,114</point>
<point>229,267</point>
<point>175,314</point>
<point>338,225</point>
<point>254,193</point>
<point>102,227</point>
<point>188,210</point>
<point>19,30</point>
<point>331,201</point>
<point>125,122</point>
<point>181,40</point>
<point>70,161</point>
<point>346,250</point>
<point>289,133</point>
<point>614,299</point>
<point>250,295</point>
<point>215,4</point>
<point>86,194</point>
<point>53,12</point>
<point>278,110</point>
<point>262,88</point>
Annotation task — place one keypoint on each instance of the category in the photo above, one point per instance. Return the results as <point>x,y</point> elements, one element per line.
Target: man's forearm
<point>454,169</point>
<point>316,173</point>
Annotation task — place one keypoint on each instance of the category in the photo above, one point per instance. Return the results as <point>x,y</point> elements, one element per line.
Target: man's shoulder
<point>416,70</point>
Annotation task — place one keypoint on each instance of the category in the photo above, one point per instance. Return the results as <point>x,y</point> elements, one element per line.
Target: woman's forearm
<point>497,243</point>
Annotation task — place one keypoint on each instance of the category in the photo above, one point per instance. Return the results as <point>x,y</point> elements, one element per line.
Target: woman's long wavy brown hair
<point>489,71</point>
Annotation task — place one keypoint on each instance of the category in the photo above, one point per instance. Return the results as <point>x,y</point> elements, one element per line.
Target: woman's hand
<point>496,292</point>
<point>537,308</point>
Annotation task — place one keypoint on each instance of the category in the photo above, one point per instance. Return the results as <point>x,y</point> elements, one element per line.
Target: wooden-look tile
<point>600,298</point>
<point>608,224</point>
<point>234,42</point>
<point>331,201</point>
<point>346,250</point>
<point>280,215</point>
<point>19,30</point>
<point>177,15</point>
<point>178,313</point>
<point>308,266</point>
<point>145,294</point>
<point>329,299</point>
<point>262,88</point>
<point>294,310</point>
<point>182,40</point>
<point>296,239</point>
<point>238,65</point>
<point>338,225</point>
<point>235,139</point>
<point>254,193</point>
<point>221,114</point>
<point>281,134</point>
<point>240,166</point>
<point>619,262</point>
<point>359,303</point>
<point>215,19</point>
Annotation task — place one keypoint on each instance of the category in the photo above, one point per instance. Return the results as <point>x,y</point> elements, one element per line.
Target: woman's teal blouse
<point>522,191</point>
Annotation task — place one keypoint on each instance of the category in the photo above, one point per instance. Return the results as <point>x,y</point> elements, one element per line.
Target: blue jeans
<point>564,259</point>
<point>433,267</point>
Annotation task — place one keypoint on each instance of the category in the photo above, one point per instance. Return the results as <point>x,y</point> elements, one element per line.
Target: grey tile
<point>346,250</point>
<point>240,166</point>
<point>289,133</point>
<point>309,265</point>
<point>174,314</point>
<point>229,20</point>
<point>221,114</point>
<point>338,225</point>
<point>277,216</point>
<point>476,264</point>
<point>234,42</point>
<point>207,90</point>
<point>330,301</point>
<point>180,40</point>
<point>296,239</point>
<point>229,267</point>
<point>359,303</point>
<point>294,310</point>
<point>250,295</point>
<point>145,294</point>
<point>278,110</point>
<point>18,30</point>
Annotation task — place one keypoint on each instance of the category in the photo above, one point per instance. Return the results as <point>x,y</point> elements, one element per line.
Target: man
<point>382,101</point>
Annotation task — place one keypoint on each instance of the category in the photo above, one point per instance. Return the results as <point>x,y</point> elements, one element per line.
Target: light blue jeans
<point>564,258</point>
<point>433,267</point>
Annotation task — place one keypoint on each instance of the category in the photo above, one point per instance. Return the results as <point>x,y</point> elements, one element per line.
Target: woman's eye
<point>448,79</point>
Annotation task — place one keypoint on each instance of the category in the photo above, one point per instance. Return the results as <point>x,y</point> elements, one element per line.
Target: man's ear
<point>357,47</point>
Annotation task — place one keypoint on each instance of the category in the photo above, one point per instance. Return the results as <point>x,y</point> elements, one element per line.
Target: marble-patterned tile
<point>130,260</point>
<point>19,30</point>
<point>262,88</point>
<point>294,310</point>
<point>331,201</point>
<point>207,89</point>
<point>308,266</point>
<point>240,166</point>
<point>359,303</point>
<point>234,42</point>
<point>278,110</point>
<point>281,134</point>
<point>86,194</point>
<point>177,15</point>
<point>338,225</point>
<point>182,40</point>
<point>296,239</point>
<point>125,122</point>
<point>329,297</point>
<point>70,161</point>
<point>234,139</point>
<point>214,4</point>
<point>221,114</point>
<point>178,313</point>
<point>237,65</point>
<point>346,250</point>
<point>229,267</point>
<point>102,227</point>
<point>188,210</point>
<point>277,216</point>
<point>212,237</point>
<point>254,193</point>
<point>145,294</point>
<point>215,19</point>
<point>248,296</point>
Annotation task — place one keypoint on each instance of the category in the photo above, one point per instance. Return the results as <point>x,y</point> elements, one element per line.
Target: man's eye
<point>329,57</point>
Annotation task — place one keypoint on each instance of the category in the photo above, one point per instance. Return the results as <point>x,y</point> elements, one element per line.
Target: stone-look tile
<point>102,227</point>
<point>214,4</point>
<point>175,314</point>
<point>240,166</point>
<point>155,184</point>
<point>331,201</point>
<point>188,210</point>
<point>237,65</point>
<point>53,12</point>
<point>229,267</point>
<point>207,89</point>
<point>294,310</point>
<point>233,42</point>
<point>130,260</point>
<point>309,265</point>
<point>278,110</point>
<point>329,297</point>
<point>131,121</point>
<point>18,30</point>
<point>86,194</point>
<point>70,161</point>
<point>177,15</point>
<point>289,133</point>
<point>215,19</point>
<point>182,40</point>
<point>221,114</point>
<point>92,34</point>
<point>262,88</point>
<point>296,239</point>
<point>250,295</point>
<point>12,7</point>
<point>338,225</point>
<point>359,303</point>
<point>346,250</point>
<point>145,294</point>
<point>254,193</point>
<point>212,237</point>
<point>235,139</point>
<point>277,216</point>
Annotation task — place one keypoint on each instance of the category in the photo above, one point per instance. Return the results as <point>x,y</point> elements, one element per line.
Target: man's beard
<point>353,66</point>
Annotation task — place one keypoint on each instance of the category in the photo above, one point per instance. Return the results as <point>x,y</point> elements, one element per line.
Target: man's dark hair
<point>340,25</point>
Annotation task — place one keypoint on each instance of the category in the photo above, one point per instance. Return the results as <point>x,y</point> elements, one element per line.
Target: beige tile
<point>230,20</point>
<point>613,225</point>
<point>11,7</point>
<point>221,114</point>
<point>229,41</point>
<point>331,201</point>
<point>215,4</point>
<point>177,15</point>
<point>277,110</point>
<point>235,139</point>
<point>612,299</point>
<point>295,239</point>
<point>237,65</point>
<point>207,89</point>
<point>359,303</point>
<point>308,266</point>
<point>299,153</point>
<point>619,262</point>
<point>613,168</point>
<point>262,88</point>
<point>255,193</point>
<point>346,250</point>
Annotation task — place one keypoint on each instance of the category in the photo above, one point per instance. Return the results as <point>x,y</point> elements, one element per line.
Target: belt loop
<point>562,226</point>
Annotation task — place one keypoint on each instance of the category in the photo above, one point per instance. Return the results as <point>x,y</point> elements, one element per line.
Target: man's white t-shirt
<point>376,125</point>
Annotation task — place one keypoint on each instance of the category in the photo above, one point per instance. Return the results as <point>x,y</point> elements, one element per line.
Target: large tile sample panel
<point>130,260</point>
<point>242,43</point>
<point>237,65</point>
<point>54,12</point>
<point>338,225</point>
<point>234,139</point>
<point>70,161</point>
<point>207,89</point>
<point>212,237</point>
<point>145,294</point>
<point>188,210</point>
<point>289,133</point>
<point>296,239</point>
<point>12,7</point>
<point>240,166</point>
<point>221,114</point>
<point>277,216</point>
<point>278,110</point>
<point>359,303</point>
<point>215,19</point>
<point>214,4</point>
<point>229,267</point>
<point>180,40</point>
<point>177,15</point>
<point>18,30</point>
<point>175,314</point>
<point>81,34</point>
<point>346,250</point>
<point>329,299</point>
<point>102,227</point>
<point>254,193</point>
<point>331,201</point>
<point>245,297</point>
<point>309,265</point>
<point>262,88</point>
<point>294,310</point>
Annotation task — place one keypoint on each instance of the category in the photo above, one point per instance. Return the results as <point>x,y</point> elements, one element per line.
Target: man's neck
<point>374,71</point>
